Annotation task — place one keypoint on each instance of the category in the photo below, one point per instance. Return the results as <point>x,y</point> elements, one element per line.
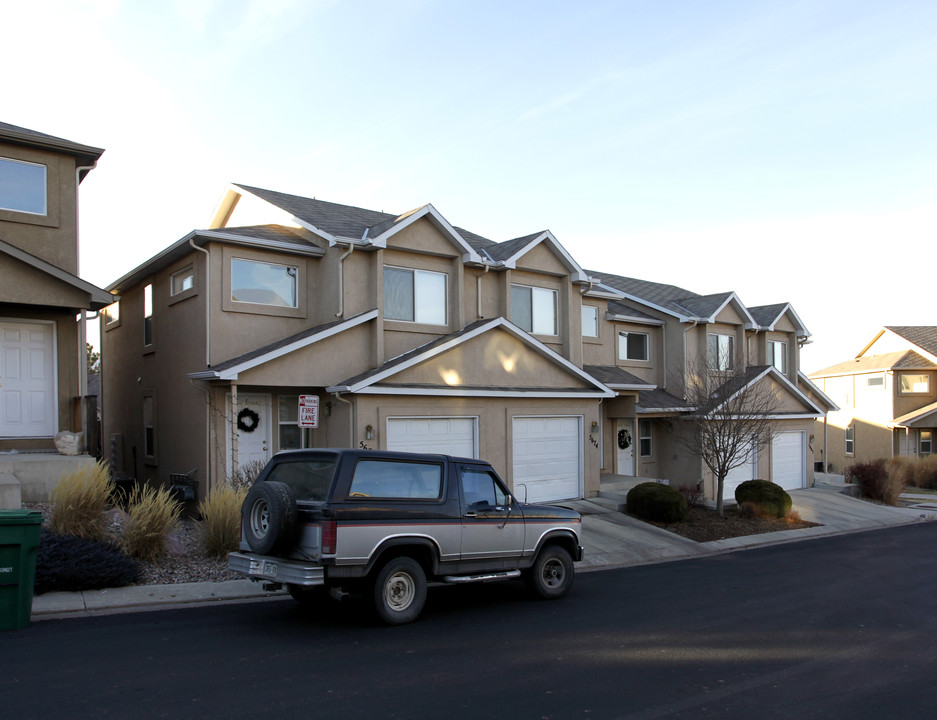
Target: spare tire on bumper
<point>268,517</point>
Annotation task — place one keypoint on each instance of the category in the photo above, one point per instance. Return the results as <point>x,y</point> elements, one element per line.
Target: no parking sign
<point>309,411</point>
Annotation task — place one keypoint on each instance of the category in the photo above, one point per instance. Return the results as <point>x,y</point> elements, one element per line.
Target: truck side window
<point>482,486</point>
<point>395,479</point>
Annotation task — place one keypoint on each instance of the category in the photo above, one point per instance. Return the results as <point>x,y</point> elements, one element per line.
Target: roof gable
<point>91,296</point>
<point>511,251</point>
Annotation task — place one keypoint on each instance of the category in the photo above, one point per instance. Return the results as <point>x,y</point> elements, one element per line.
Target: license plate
<point>264,567</point>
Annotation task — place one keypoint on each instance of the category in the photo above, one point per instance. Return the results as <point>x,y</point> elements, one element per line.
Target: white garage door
<point>548,458</point>
<point>448,436</point>
<point>788,463</point>
<point>27,379</point>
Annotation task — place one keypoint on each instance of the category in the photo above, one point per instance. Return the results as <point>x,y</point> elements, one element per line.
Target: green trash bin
<point>19,542</point>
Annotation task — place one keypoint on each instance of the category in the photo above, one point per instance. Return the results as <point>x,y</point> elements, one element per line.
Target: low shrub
<point>770,498</point>
<point>243,478</point>
<point>694,496</point>
<point>749,510</point>
<point>875,483</point>
<point>152,516</point>
<point>79,502</point>
<point>220,527</point>
<point>67,563</point>
<point>913,472</point>
<point>656,502</point>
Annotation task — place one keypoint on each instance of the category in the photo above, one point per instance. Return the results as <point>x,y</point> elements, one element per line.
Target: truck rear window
<point>308,479</point>
<point>396,479</point>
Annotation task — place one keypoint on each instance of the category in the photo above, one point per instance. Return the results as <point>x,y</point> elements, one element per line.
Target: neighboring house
<point>887,398</point>
<point>42,345</point>
<point>413,334</point>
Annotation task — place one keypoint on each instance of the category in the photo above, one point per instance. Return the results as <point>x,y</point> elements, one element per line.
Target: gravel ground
<point>184,562</point>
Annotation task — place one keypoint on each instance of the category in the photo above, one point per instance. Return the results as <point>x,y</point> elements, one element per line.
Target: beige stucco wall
<point>54,236</point>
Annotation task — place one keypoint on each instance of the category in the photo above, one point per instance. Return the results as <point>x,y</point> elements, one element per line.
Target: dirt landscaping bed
<point>704,525</point>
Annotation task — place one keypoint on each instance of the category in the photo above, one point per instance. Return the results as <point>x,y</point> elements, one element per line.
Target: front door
<point>27,379</point>
<point>253,430</point>
<point>624,440</point>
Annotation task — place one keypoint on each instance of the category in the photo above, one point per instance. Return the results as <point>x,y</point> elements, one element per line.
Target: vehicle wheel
<point>268,517</point>
<point>552,573</point>
<point>400,591</point>
<point>309,596</point>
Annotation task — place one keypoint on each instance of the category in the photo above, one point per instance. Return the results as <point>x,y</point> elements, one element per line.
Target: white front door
<point>253,430</point>
<point>27,379</point>
<point>624,441</point>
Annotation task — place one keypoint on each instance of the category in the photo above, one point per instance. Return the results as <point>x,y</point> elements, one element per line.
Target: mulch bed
<point>704,525</point>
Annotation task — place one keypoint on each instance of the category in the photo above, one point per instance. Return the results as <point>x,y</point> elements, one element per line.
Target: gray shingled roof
<point>899,360</point>
<point>616,307</point>
<point>86,154</point>
<point>613,375</point>
<point>660,400</point>
<point>766,315</point>
<point>504,250</point>
<point>704,306</point>
<point>276,233</point>
<point>924,336</point>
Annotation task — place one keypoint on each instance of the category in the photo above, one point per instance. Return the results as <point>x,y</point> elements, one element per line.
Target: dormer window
<point>721,352</point>
<point>534,309</point>
<point>415,296</point>
<point>777,355</point>
<point>23,186</point>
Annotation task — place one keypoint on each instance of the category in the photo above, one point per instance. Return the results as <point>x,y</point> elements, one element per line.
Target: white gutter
<point>341,275</point>
<point>351,417</point>
<point>82,322</point>
<point>478,290</point>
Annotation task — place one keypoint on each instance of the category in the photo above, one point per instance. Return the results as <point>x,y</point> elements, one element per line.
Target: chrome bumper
<point>278,570</point>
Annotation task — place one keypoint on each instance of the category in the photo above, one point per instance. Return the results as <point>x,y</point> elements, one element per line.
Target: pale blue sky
<point>786,151</point>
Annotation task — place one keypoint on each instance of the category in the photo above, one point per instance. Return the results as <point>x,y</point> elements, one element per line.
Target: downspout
<point>478,290</point>
<point>207,391</point>
<point>234,427</point>
<point>341,276</point>
<point>351,418</point>
<point>82,327</point>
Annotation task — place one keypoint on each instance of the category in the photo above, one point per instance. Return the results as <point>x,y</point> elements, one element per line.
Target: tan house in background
<point>406,332</point>
<point>887,395</point>
<point>43,379</point>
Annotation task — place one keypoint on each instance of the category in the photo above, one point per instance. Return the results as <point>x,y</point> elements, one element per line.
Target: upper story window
<point>148,315</point>
<point>415,296</point>
<point>632,346</point>
<point>721,352</point>
<point>23,186</point>
<point>534,309</point>
<point>777,355</point>
<point>263,283</point>
<point>590,321</point>
<point>182,280</point>
<point>647,438</point>
<point>914,383</point>
<point>927,442</point>
<point>876,381</point>
<point>112,314</point>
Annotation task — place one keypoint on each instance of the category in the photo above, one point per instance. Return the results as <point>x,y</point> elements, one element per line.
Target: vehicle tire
<point>309,596</point>
<point>268,517</point>
<point>552,574</point>
<point>399,591</point>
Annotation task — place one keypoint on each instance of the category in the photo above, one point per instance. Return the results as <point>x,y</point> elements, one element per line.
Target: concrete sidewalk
<point>611,540</point>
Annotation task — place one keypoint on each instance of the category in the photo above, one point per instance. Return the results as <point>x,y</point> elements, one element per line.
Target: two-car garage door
<point>547,450</point>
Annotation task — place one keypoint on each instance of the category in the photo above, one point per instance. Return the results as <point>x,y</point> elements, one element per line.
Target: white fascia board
<point>96,294</point>
<point>603,294</point>
<point>431,213</point>
<point>799,328</point>
<point>813,387</point>
<point>636,320</point>
<point>469,392</point>
<point>577,273</point>
<point>620,294</point>
<point>623,386</point>
<point>233,239</point>
<point>749,323</point>
<point>144,268</point>
<point>233,372</point>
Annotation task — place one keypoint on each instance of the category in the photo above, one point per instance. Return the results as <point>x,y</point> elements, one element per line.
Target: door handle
<point>470,515</point>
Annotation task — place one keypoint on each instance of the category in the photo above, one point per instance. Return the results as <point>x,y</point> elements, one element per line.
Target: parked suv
<point>386,523</point>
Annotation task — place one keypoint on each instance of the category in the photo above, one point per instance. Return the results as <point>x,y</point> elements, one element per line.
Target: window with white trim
<point>415,296</point>
<point>534,309</point>
<point>632,346</point>
<point>927,442</point>
<point>182,280</point>
<point>915,383</point>
<point>263,283</point>
<point>646,438</point>
<point>721,351</point>
<point>777,355</point>
<point>23,186</point>
<point>290,435</point>
<point>851,440</point>
<point>590,321</point>
<point>148,315</point>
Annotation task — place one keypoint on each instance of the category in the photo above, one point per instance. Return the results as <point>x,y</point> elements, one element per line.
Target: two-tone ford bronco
<point>386,523</point>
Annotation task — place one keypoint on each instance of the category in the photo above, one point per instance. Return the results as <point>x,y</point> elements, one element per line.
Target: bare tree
<point>732,415</point>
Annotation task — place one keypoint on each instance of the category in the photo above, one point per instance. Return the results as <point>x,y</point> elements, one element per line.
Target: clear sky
<point>786,151</point>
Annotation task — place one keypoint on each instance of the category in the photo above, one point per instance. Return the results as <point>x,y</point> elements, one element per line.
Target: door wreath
<point>248,420</point>
<point>624,439</point>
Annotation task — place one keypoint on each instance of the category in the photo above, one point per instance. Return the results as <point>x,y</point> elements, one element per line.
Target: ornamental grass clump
<point>153,514</point>
<point>79,502</point>
<point>220,527</point>
<point>875,482</point>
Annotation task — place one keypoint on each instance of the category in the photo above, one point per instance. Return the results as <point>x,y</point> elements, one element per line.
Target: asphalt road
<point>840,627</point>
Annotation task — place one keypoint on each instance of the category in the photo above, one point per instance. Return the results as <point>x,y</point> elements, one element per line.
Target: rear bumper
<point>275,569</point>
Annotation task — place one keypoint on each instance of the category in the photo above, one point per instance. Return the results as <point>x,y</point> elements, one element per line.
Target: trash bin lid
<point>20,517</point>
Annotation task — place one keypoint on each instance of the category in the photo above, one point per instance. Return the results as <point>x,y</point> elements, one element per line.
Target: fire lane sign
<point>309,411</point>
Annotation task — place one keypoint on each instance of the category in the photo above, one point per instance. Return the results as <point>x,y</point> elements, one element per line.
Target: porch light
<point>369,432</point>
